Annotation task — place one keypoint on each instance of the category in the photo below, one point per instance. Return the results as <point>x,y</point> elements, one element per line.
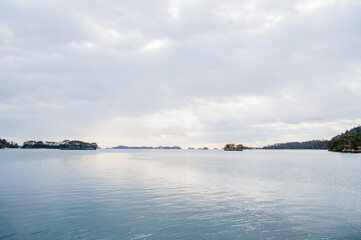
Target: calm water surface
<point>179,194</point>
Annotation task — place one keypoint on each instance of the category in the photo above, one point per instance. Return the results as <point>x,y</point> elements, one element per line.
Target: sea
<point>179,194</point>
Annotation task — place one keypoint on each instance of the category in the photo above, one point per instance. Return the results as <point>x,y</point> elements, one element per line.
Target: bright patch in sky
<point>154,45</point>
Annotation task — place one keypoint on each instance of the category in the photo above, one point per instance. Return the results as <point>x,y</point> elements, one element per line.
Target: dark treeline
<point>349,141</point>
<point>314,144</point>
<point>41,144</point>
<point>5,144</point>
<point>64,145</point>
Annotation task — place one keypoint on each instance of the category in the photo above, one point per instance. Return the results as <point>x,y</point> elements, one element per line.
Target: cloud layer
<point>179,72</point>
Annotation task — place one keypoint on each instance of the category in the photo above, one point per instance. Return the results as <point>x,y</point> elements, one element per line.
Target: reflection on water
<point>174,194</point>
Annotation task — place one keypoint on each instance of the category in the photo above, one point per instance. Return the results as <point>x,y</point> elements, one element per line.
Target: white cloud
<point>179,72</point>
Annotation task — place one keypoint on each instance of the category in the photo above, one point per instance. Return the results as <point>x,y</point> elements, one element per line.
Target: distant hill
<point>126,147</point>
<point>6,144</point>
<point>349,141</point>
<point>143,147</point>
<point>314,144</point>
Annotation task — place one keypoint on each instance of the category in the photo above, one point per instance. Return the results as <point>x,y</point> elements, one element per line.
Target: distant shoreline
<point>347,142</point>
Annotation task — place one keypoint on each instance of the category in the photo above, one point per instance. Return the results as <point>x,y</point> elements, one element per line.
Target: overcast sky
<point>188,72</point>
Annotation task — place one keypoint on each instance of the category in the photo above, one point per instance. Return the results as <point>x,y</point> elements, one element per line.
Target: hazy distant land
<point>144,147</point>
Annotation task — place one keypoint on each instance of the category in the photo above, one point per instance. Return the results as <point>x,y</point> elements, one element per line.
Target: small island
<point>233,147</point>
<point>63,145</point>
<point>349,141</point>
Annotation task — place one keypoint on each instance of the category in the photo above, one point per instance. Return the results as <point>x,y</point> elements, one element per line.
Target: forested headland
<point>314,144</point>
<point>6,144</point>
<point>349,141</point>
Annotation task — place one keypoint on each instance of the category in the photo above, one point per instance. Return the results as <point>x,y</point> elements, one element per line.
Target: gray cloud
<point>179,72</point>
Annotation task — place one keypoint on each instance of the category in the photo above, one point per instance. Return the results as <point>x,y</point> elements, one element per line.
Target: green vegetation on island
<point>349,141</point>
<point>314,144</point>
<point>233,147</point>
<point>64,145</point>
<point>6,144</point>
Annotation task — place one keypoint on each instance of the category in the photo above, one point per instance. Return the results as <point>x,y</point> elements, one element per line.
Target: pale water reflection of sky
<point>188,73</point>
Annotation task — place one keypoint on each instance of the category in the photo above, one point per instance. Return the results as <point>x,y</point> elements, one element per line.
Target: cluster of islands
<point>349,141</point>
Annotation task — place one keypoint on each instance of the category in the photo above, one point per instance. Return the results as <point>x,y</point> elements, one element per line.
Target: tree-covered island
<point>233,147</point>
<point>63,145</point>
<point>349,141</point>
